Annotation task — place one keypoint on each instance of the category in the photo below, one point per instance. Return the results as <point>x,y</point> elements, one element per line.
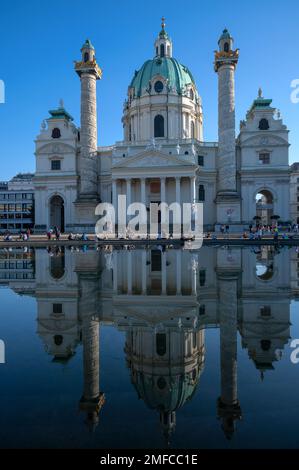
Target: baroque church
<point>163,155</point>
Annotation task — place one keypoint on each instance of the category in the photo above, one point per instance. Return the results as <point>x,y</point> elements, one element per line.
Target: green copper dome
<point>178,75</point>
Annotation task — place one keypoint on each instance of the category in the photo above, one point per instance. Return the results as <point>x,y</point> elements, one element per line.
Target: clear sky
<point>39,41</point>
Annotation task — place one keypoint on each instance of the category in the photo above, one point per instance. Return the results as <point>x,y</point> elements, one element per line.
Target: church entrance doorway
<point>264,207</point>
<point>57,212</point>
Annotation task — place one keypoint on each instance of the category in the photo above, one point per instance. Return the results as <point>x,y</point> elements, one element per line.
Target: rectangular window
<point>265,311</point>
<point>156,260</point>
<point>201,193</point>
<point>202,309</point>
<point>55,165</point>
<point>202,277</point>
<point>264,158</point>
<point>57,308</point>
<point>200,160</point>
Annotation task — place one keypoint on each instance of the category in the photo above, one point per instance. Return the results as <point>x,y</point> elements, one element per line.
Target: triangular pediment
<point>152,158</point>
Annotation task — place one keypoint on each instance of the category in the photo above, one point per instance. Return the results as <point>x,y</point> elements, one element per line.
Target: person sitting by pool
<point>71,237</point>
<point>84,237</point>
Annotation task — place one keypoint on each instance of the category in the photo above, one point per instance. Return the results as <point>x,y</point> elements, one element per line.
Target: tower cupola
<point>87,51</point>
<point>225,42</point>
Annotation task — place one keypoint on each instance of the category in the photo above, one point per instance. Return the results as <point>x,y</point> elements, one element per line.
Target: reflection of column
<point>164,280</point>
<point>178,272</point>
<point>194,281</point>
<point>178,189</point>
<point>143,280</point>
<point>115,282</point>
<point>92,399</point>
<point>228,405</point>
<point>129,272</point>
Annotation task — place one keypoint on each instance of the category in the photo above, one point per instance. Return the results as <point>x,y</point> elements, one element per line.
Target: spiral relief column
<point>228,200</point>
<point>88,197</point>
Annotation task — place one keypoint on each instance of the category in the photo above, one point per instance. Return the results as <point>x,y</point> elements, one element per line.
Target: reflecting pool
<point>129,348</point>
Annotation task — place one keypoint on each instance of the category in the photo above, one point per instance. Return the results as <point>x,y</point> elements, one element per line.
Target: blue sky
<point>39,41</point>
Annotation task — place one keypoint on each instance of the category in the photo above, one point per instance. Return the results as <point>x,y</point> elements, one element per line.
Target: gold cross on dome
<point>163,22</point>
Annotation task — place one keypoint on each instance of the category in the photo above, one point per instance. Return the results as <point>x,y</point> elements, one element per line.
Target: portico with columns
<point>154,177</point>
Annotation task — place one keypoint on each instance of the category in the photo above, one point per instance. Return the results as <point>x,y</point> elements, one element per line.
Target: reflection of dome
<point>165,369</point>
<point>165,392</point>
<point>177,75</point>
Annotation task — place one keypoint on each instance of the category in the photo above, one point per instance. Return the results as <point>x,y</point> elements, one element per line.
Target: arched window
<point>161,383</point>
<point>162,50</point>
<point>56,133</point>
<point>157,50</point>
<point>86,56</point>
<point>191,94</point>
<point>57,266</point>
<point>192,130</point>
<point>161,344</point>
<point>226,47</point>
<point>168,50</point>
<point>159,126</point>
<point>264,124</point>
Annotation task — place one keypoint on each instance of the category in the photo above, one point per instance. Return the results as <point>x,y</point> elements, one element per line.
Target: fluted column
<point>163,189</point>
<point>128,193</point>
<point>192,189</point>
<point>178,189</point>
<point>143,190</point>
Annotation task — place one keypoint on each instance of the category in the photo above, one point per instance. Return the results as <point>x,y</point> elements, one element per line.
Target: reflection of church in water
<point>164,300</point>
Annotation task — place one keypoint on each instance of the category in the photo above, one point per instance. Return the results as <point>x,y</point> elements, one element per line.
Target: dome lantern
<point>163,43</point>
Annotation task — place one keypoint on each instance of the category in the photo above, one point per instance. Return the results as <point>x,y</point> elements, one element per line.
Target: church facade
<point>163,156</point>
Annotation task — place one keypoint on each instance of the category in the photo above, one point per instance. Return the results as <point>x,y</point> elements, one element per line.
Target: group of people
<point>82,237</point>
<point>53,232</point>
<point>23,236</point>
